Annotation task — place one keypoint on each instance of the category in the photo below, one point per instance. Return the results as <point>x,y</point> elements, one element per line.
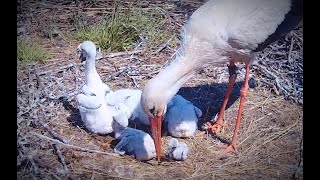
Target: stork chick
<point>182,117</point>
<point>177,150</point>
<point>94,112</point>
<point>130,98</point>
<point>133,142</point>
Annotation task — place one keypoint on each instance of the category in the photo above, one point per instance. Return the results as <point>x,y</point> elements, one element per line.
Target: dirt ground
<point>270,138</point>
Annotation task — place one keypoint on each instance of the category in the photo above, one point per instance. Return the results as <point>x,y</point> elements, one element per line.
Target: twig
<point>110,9</point>
<point>35,168</point>
<point>297,36</point>
<point>68,96</point>
<point>31,160</point>
<point>77,74</point>
<point>60,157</point>
<point>290,50</point>
<point>279,134</point>
<point>274,87</point>
<point>270,74</point>
<point>92,175</point>
<point>115,74</point>
<point>54,175</point>
<point>73,146</point>
<point>39,83</point>
<point>91,13</point>
<point>59,69</point>
<point>112,55</point>
<point>133,80</point>
<point>162,47</point>
<point>43,164</point>
<point>135,49</point>
<point>65,97</point>
<point>300,165</point>
<point>53,133</point>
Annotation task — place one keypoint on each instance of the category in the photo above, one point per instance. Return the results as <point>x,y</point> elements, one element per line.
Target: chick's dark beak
<point>82,58</point>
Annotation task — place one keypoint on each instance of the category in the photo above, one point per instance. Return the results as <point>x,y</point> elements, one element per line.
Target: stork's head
<point>87,50</point>
<point>154,104</point>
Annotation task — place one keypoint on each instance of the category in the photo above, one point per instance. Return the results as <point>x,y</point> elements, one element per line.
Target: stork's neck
<point>91,73</point>
<point>189,59</point>
<point>168,82</point>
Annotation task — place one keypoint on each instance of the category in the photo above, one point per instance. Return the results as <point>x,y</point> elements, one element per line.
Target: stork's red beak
<point>155,124</point>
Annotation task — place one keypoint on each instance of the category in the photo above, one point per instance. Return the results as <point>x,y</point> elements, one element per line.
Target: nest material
<point>52,143</point>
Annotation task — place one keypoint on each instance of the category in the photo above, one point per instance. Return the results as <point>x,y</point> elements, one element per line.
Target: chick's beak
<point>82,58</point>
<point>155,124</point>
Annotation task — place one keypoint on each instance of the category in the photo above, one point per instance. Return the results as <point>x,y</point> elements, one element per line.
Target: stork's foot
<point>227,151</point>
<point>215,128</point>
<point>231,149</point>
<point>200,134</point>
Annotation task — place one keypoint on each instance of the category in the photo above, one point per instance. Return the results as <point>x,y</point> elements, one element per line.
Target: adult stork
<point>217,33</point>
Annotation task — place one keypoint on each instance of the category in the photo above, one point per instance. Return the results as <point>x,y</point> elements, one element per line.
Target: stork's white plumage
<point>133,142</point>
<point>93,81</point>
<point>182,117</point>
<point>177,150</point>
<point>94,112</point>
<point>219,32</point>
<point>130,98</point>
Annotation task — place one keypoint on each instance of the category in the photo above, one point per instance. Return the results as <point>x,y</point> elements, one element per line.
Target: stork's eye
<point>152,110</point>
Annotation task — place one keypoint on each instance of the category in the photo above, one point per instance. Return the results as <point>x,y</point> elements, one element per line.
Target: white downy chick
<point>131,100</point>
<point>95,114</point>
<point>182,117</point>
<point>133,142</point>
<point>177,150</point>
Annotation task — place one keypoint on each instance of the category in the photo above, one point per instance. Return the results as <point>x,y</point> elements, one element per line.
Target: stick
<point>115,74</point>
<point>68,96</point>
<point>91,13</point>
<point>112,55</point>
<point>272,75</point>
<point>31,160</point>
<point>59,70</point>
<point>134,81</point>
<point>53,133</point>
<point>300,165</point>
<point>274,87</point>
<point>35,168</point>
<point>162,47</point>
<point>60,157</point>
<point>42,164</point>
<point>110,9</point>
<point>290,50</point>
<point>73,146</point>
<point>39,83</point>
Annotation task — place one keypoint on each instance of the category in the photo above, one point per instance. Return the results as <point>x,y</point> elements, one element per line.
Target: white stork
<point>217,33</point>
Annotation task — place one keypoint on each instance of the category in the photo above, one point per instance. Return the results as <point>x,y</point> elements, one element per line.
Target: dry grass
<point>270,137</point>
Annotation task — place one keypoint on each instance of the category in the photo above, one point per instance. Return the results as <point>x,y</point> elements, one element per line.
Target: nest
<point>52,142</point>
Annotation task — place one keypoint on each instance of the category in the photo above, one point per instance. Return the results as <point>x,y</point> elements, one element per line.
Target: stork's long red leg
<point>216,127</point>
<point>232,147</point>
